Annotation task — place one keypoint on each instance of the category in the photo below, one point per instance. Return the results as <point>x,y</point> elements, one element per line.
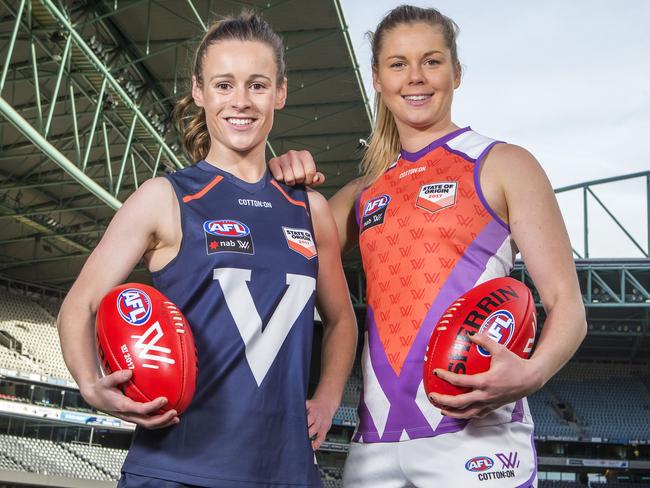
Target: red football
<point>139,329</point>
<point>503,308</point>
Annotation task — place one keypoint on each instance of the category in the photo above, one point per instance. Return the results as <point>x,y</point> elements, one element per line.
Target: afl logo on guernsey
<point>134,306</point>
<point>227,235</point>
<point>436,196</point>
<point>226,228</point>
<point>499,326</point>
<point>374,212</point>
<point>376,204</point>
<point>300,241</point>
<point>479,463</point>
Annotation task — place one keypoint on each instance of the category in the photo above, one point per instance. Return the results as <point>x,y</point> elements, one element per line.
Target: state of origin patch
<point>374,212</point>
<point>300,241</point>
<point>436,196</point>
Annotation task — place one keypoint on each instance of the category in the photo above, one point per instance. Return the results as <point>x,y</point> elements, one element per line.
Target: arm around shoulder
<point>342,205</point>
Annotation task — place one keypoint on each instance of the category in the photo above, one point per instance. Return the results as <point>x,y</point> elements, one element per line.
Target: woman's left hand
<point>508,379</point>
<point>319,420</point>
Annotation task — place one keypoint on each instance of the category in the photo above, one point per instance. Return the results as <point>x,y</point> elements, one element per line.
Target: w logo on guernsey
<point>508,461</point>
<point>134,306</point>
<point>147,343</point>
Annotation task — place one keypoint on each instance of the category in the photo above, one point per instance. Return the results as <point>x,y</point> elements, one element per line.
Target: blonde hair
<point>384,144</point>
<point>247,26</point>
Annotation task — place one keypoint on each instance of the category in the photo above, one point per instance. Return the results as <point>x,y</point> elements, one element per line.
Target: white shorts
<point>496,456</point>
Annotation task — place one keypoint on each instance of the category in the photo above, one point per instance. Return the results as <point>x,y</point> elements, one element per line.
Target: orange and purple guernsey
<point>427,235</point>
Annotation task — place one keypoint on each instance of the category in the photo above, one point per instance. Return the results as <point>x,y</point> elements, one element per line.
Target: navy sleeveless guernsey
<point>244,277</point>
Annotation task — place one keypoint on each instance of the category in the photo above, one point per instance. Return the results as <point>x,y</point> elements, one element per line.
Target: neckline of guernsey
<point>245,185</point>
<point>414,156</point>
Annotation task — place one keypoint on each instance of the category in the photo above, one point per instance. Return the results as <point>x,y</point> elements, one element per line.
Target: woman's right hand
<point>296,167</point>
<point>106,396</point>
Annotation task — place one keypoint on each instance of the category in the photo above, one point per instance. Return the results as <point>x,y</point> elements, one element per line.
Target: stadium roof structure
<point>87,90</point>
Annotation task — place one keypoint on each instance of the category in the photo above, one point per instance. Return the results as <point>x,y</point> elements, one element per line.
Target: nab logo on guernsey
<point>374,211</point>
<point>134,306</point>
<point>436,196</point>
<point>227,236</point>
<point>479,463</point>
<point>301,241</point>
<point>500,326</point>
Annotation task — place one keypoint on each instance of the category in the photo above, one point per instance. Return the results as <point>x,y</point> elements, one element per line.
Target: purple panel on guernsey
<point>401,390</point>
<point>479,190</point>
<point>403,411</point>
<point>357,209</point>
<point>415,156</point>
<point>529,483</point>
<point>518,411</point>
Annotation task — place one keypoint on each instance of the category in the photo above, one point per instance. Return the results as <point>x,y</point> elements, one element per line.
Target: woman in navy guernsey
<point>245,259</point>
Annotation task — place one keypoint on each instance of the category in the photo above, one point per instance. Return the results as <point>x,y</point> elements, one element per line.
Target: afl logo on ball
<point>499,326</point>
<point>479,463</point>
<point>134,306</point>
<point>226,228</point>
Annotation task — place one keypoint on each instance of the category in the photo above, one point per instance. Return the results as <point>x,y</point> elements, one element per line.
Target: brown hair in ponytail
<point>247,26</point>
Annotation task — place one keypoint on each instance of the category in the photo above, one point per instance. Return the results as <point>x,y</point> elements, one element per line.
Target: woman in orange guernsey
<point>438,210</point>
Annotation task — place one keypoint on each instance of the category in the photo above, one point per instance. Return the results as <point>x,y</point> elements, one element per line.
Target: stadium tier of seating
<point>547,420</point>
<point>562,484</point>
<point>108,460</point>
<point>34,329</point>
<point>60,458</point>
<point>609,401</point>
<point>331,476</point>
<point>49,458</point>
<point>352,390</point>
<point>619,484</point>
<point>346,415</point>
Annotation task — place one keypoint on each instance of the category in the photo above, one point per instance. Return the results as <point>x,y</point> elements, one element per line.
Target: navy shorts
<point>128,480</point>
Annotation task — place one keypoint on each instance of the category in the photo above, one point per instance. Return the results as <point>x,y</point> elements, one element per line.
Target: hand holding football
<point>503,308</point>
<point>139,329</point>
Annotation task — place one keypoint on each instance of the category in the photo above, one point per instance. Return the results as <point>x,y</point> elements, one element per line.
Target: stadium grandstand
<point>87,89</point>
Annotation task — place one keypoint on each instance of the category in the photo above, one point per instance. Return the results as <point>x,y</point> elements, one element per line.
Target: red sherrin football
<point>503,308</point>
<point>139,329</point>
